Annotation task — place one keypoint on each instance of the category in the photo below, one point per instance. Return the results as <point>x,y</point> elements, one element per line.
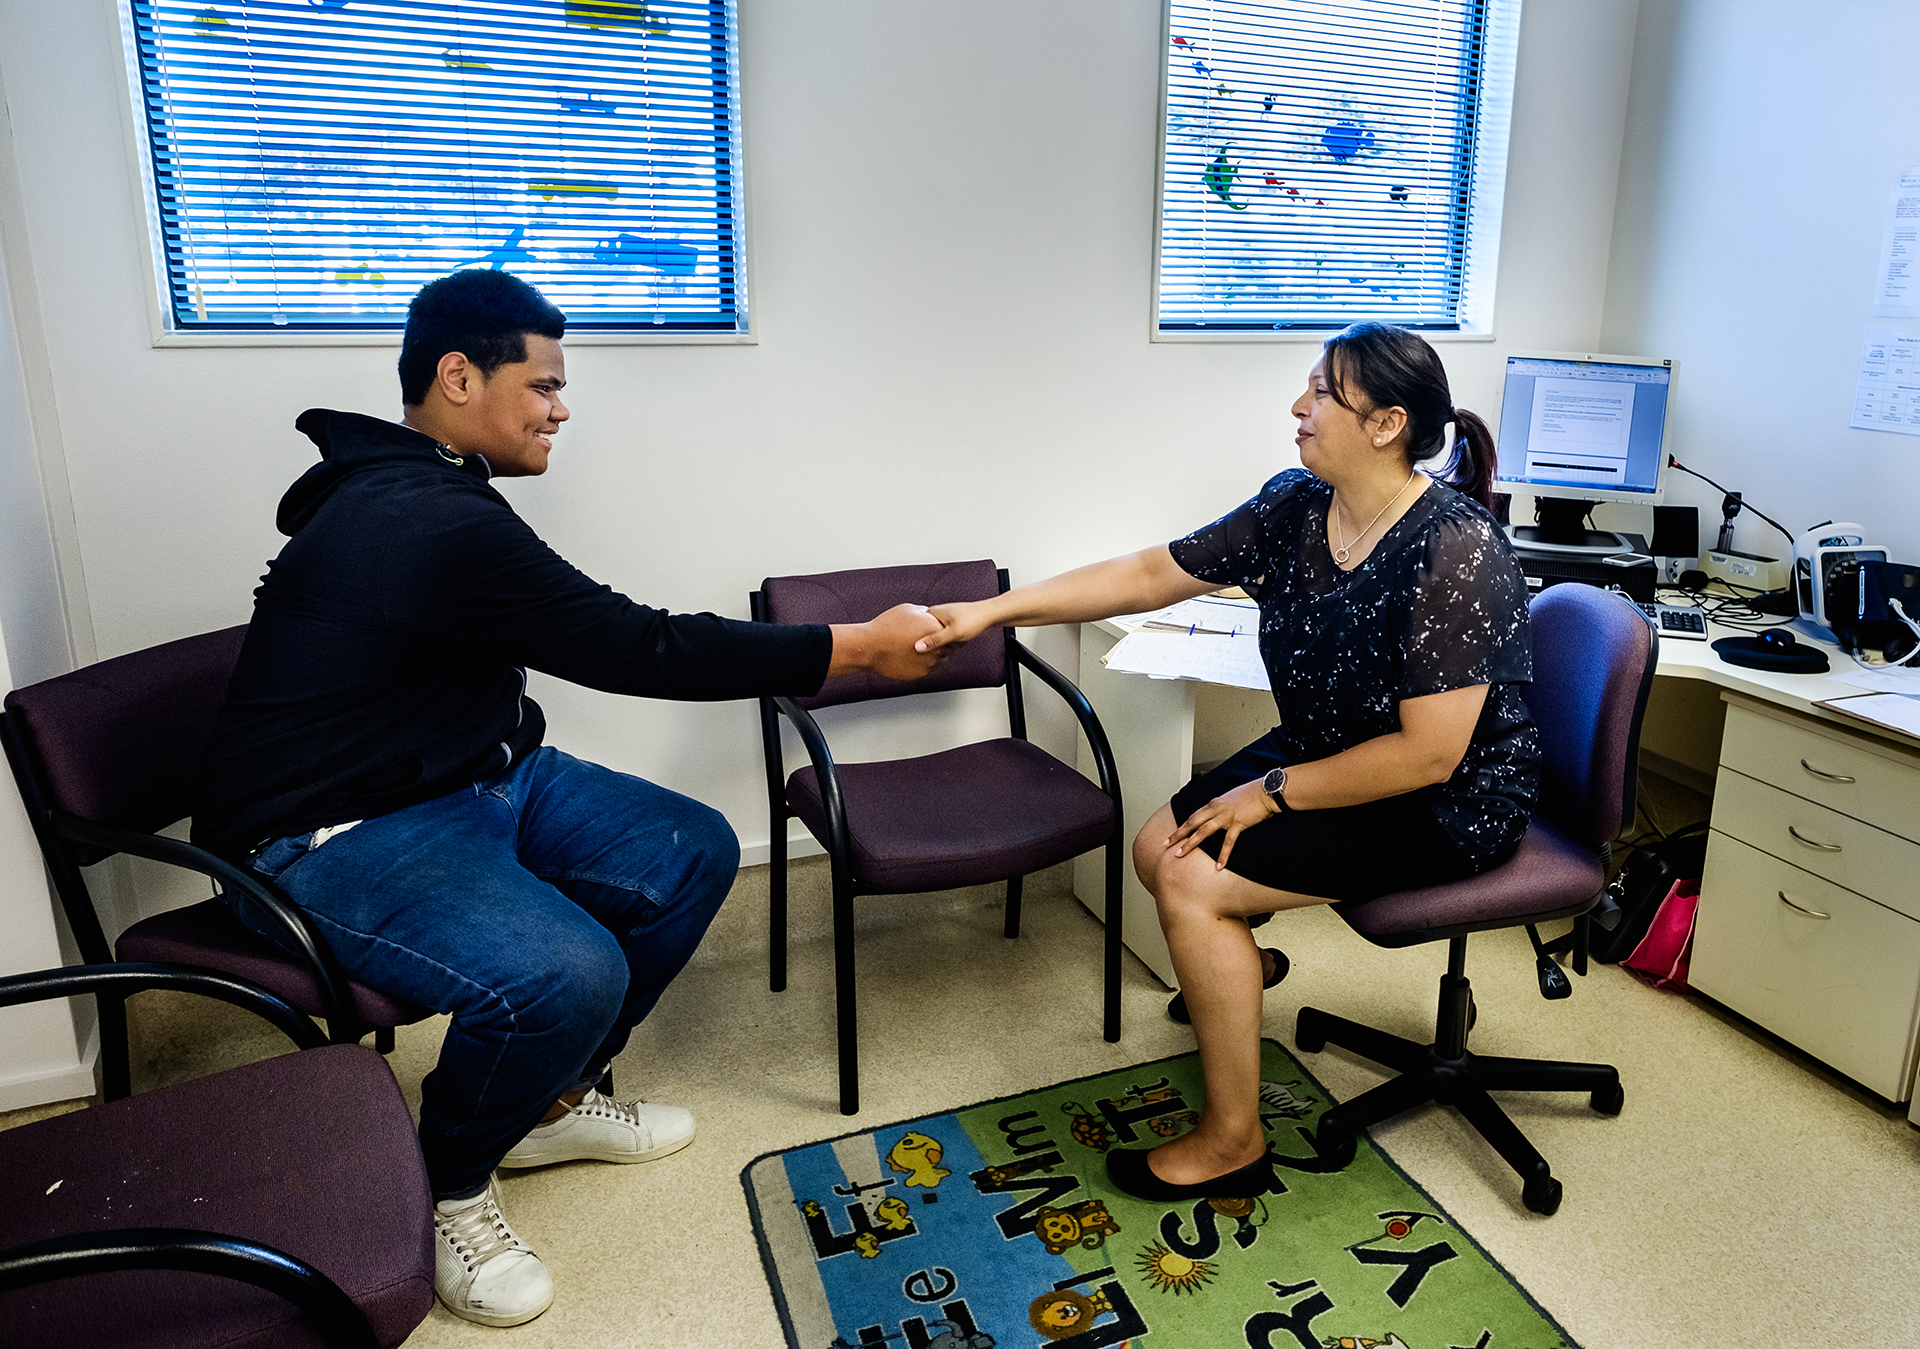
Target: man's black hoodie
<point>385,662</point>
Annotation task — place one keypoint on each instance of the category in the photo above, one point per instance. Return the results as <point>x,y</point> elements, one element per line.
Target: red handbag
<point>1662,955</point>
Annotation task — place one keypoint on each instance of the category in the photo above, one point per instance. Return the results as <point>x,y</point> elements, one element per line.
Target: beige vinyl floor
<point>1744,1197</point>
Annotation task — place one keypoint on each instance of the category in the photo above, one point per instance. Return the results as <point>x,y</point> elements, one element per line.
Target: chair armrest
<point>816,743</point>
<point>136,976</point>
<point>335,1004</point>
<point>340,1323</point>
<point>1089,721</point>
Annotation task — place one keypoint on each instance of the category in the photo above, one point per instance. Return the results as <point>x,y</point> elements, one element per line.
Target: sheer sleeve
<point>1241,547</point>
<point>1467,620</point>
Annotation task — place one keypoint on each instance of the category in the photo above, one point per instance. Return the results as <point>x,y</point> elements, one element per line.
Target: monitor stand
<point>1562,529</point>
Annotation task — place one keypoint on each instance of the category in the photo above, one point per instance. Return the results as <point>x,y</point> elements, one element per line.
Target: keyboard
<point>1676,620</point>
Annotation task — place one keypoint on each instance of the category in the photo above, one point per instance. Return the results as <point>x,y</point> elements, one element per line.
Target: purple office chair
<point>105,758</point>
<point>283,1203</point>
<point>989,811</point>
<point>1594,653</point>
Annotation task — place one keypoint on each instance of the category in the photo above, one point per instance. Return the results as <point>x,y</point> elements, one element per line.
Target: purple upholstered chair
<point>989,811</point>
<point>1593,658</point>
<point>105,758</point>
<point>283,1203</point>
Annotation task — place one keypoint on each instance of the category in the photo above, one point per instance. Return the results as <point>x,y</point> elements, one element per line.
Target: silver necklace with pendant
<point>1344,549</point>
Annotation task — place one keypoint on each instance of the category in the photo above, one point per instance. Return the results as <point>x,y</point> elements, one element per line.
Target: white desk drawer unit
<point>1810,908</point>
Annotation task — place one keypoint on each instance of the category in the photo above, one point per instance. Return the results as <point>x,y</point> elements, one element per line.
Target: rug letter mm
<point>994,1227</point>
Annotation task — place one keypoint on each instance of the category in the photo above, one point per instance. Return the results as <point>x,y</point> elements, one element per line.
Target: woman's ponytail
<point>1470,469</point>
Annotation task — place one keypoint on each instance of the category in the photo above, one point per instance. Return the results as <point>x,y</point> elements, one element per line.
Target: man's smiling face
<point>512,414</point>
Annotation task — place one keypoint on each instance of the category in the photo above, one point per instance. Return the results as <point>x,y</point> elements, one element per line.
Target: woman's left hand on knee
<point>1233,811</point>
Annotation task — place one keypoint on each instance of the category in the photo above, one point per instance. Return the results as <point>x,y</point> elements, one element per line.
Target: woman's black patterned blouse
<point>1439,604</point>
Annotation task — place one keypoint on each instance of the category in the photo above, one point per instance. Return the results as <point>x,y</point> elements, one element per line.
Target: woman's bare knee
<point>1149,847</point>
<point>1190,886</point>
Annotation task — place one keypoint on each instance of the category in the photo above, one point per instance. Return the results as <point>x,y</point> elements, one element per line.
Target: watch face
<point>1275,780</point>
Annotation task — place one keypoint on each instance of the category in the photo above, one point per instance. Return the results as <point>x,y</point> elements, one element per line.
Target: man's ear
<point>454,377</point>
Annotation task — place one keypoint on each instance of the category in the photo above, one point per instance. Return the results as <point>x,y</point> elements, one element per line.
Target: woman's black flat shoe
<point>1128,1170</point>
<point>1177,1009</point>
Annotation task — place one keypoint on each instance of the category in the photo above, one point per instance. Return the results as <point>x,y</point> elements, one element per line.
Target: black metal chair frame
<point>846,887</point>
<point>57,833</point>
<point>1446,1071</point>
<point>331,1311</point>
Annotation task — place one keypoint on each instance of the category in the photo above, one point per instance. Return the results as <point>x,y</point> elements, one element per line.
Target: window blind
<point>1319,161</point>
<point>315,162</point>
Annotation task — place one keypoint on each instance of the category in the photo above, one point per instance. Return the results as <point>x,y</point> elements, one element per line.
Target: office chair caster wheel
<point>1307,1035</point>
<point>1542,1195</point>
<point>1335,1146</point>
<point>1608,1100</point>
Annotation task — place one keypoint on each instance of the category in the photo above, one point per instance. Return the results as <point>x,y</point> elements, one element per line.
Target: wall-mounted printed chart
<point>1887,397</point>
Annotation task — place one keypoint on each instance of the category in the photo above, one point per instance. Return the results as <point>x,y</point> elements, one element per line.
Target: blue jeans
<point>546,909</point>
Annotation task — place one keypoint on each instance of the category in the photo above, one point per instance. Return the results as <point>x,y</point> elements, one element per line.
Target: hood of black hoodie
<point>349,443</point>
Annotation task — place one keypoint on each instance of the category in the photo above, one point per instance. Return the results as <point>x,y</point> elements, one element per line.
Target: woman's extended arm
<point>1434,733</point>
<point>1136,583</point>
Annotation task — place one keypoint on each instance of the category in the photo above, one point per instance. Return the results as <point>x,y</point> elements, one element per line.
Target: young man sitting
<point>377,755</point>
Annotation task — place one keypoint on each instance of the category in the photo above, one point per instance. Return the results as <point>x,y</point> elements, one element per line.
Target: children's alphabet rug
<point>994,1227</point>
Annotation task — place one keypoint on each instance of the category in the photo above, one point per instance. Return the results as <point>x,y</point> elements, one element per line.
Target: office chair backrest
<point>1593,659</point>
<point>119,742</point>
<point>856,596</point>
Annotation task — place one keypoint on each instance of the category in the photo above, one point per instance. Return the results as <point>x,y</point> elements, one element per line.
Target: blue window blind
<point>314,162</point>
<point>1326,161</point>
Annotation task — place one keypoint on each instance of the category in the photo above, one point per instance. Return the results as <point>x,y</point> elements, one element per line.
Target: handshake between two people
<point>908,641</point>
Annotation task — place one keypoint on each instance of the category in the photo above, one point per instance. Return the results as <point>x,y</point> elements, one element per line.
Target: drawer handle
<point>1826,777</point>
<point>1799,837</point>
<point>1800,908</point>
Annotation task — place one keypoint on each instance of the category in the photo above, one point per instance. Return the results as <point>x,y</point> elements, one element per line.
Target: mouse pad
<point>1756,654</point>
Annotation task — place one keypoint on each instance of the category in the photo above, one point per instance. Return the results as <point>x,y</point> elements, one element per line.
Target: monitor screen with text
<point>1572,425</point>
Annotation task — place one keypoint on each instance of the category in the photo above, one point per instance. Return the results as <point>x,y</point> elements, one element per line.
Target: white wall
<point>41,1044</point>
<point>952,216</point>
<point>1763,140</point>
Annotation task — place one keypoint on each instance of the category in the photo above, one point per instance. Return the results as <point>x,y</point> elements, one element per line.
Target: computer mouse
<point>1778,637</point>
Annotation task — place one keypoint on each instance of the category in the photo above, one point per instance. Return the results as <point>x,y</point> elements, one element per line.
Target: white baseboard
<point>61,1084</point>
<point>801,845</point>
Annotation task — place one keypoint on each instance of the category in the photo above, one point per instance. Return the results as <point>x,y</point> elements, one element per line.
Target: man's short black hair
<point>483,315</point>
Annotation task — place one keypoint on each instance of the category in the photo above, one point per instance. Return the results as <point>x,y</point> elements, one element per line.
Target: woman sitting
<point>1393,625</point>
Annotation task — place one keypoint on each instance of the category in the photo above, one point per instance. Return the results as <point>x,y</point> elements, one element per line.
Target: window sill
<point>1302,335</point>
<point>292,337</point>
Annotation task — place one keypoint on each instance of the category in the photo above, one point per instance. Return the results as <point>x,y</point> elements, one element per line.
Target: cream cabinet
<point>1810,907</point>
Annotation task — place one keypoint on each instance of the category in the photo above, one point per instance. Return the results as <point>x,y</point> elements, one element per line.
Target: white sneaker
<point>481,1270</point>
<point>606,1130</point>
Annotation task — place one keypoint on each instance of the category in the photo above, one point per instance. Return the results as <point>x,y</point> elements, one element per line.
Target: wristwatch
<point>1274,783</point>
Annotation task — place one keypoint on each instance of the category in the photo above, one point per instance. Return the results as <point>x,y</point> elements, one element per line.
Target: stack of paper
<point>1883,678</point>
<point>1896,711</point>
<point>1213,639</point>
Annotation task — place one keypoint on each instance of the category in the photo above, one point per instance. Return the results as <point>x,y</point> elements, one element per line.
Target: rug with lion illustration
<point>994,1227</point>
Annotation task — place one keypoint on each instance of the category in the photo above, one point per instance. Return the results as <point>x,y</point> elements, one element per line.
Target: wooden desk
<point>1845,987</point>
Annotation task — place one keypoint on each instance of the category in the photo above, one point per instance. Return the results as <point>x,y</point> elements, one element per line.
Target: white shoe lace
<point>597,1104</point>
<point>479,1233</point>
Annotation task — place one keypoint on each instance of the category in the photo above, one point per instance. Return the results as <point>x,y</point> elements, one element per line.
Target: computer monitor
<point>1576,430</point>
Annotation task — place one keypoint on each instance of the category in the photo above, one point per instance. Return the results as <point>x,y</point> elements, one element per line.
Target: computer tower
<point>1546,569</point>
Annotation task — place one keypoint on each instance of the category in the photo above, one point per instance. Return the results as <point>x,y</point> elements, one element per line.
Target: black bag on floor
<point>1650,872</point>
